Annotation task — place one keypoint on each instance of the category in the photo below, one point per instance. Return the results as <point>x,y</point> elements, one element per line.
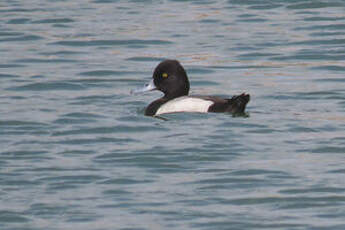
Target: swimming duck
<point>170,78</point>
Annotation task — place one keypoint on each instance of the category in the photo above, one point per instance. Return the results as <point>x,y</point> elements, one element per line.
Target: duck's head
<point>170,78</point>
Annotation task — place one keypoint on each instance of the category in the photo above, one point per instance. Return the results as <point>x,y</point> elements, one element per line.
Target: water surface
<point>77,151</point>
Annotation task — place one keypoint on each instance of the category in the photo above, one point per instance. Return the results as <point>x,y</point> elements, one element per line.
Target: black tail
<point>237,104</point>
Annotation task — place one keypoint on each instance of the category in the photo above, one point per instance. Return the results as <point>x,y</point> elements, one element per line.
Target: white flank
<point>185,104</point>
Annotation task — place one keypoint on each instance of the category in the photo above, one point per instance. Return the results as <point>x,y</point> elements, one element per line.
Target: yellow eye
<point>164,75</point>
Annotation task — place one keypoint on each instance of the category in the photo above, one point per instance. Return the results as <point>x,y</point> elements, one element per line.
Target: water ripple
<point>13,217</point>
<point>105,130</point>
<point>331,68</point>
<point>44,86</point>
<point>94,141</point>
<point>53,20</point>
<point>8,76</point>
<point>313,5</point>
<point>23,38</point>
<point>107,73</point>
<point>149,59</point>
<point>133,42</point>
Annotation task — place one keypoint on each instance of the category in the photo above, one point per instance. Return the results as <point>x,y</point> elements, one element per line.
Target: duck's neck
<point>175,94</point>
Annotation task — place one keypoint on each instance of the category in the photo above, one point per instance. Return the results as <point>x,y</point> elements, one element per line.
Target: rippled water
<point>77,151</point>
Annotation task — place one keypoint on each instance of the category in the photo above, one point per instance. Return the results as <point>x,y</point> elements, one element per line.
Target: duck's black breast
<point>154,106</point>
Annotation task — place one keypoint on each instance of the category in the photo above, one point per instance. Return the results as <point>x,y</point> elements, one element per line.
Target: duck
<point>171,79</point>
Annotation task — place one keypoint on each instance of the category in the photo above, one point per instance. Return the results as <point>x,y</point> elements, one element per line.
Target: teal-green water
<point>77,151</point>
